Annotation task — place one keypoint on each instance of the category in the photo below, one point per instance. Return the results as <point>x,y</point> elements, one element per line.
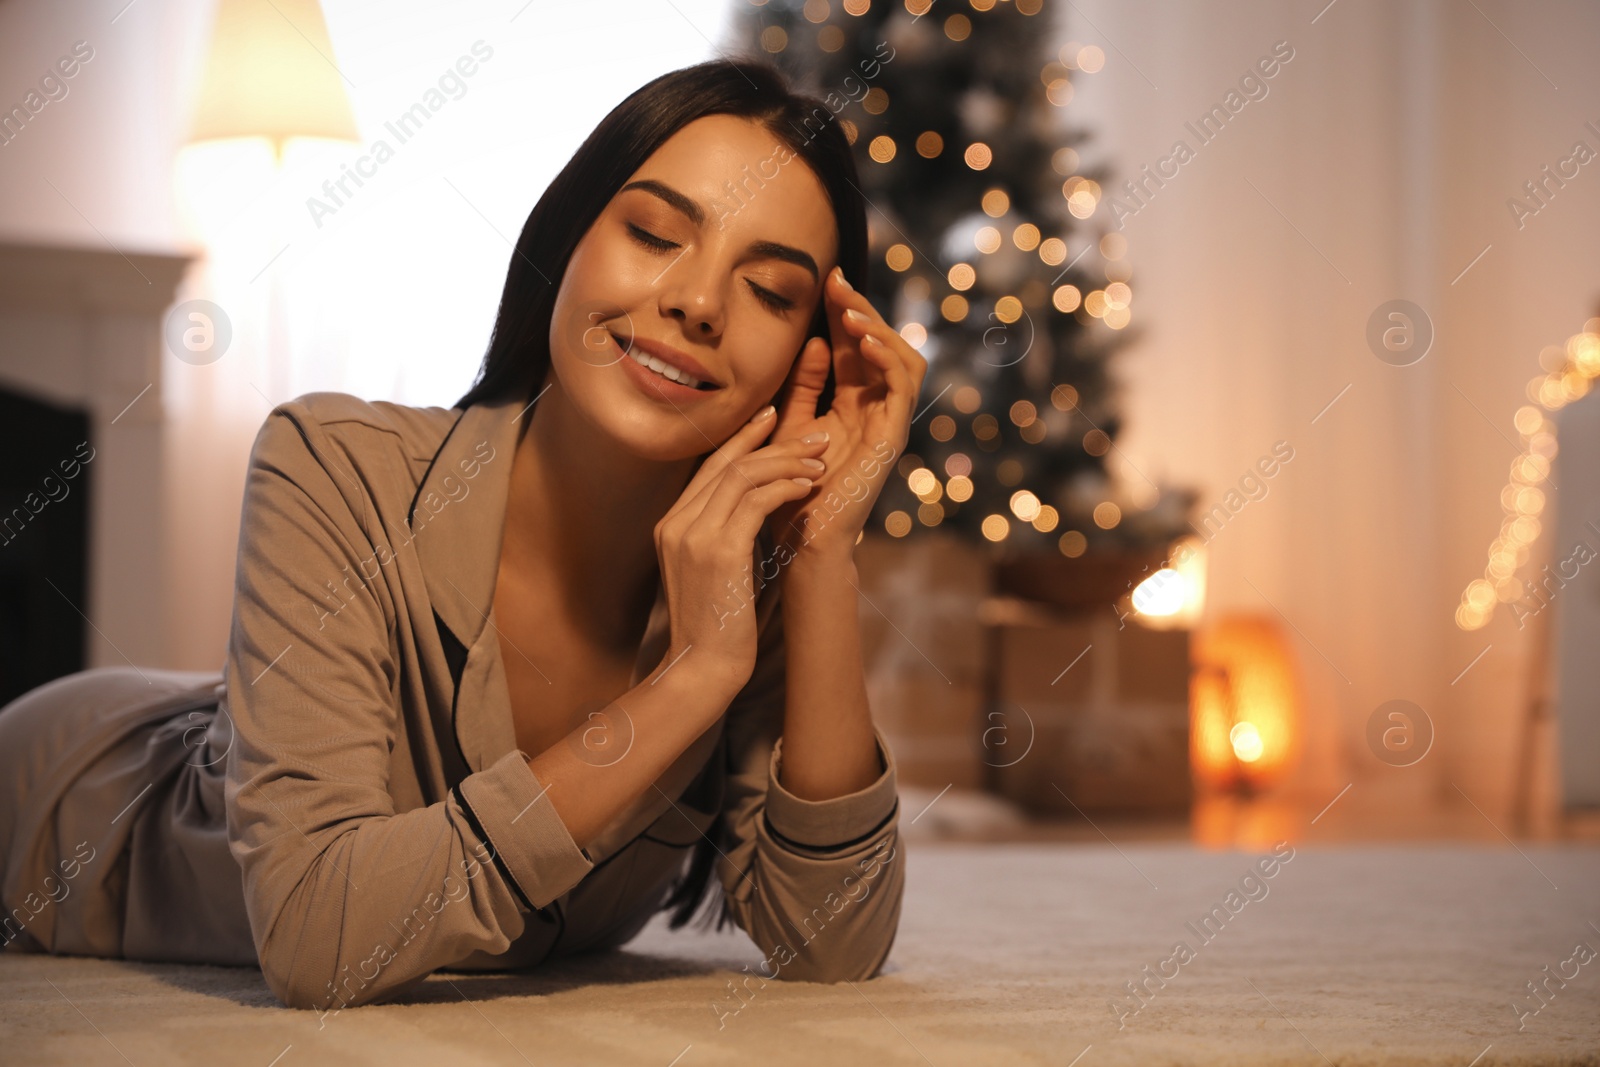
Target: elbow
<point>302,989</point>
<point>852,954</point>
<point>327,989</point>
<point>831,972</point>
<point>293,993</point>
<point>326,994</point>
<point>849,964</point>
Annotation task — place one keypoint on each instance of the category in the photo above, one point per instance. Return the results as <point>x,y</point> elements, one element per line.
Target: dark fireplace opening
<point>45,467</point>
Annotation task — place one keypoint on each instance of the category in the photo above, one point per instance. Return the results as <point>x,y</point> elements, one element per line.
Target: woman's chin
<point>654,435</point>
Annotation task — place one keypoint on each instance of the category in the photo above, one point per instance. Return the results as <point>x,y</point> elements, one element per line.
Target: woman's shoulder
<point>328,411</point>
<point>318,428</point>
<point>348,453</point>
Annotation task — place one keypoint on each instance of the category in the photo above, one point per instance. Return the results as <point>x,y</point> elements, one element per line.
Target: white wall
<point>394,295</point>
<point>1390,142</point>
<point>1387,148</point>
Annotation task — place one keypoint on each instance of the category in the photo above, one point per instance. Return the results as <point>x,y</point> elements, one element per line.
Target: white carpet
<point>1007,954</point>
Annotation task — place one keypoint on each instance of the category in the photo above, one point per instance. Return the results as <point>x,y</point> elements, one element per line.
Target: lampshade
<point>270,73</point>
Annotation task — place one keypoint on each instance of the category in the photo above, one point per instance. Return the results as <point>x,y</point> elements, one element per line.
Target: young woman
<point>497,670</point>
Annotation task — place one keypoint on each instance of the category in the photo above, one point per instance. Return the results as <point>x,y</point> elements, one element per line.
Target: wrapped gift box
<point>1105,702</point>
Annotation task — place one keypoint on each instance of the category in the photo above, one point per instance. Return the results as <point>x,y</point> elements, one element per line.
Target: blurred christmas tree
<point>978,205</point>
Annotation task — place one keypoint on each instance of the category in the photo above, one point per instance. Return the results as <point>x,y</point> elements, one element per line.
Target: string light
<point>936,498</point>
<point>995,527</point>
<point>1024,505</point>
<point>1569,370</point>
<point>1066,298</point>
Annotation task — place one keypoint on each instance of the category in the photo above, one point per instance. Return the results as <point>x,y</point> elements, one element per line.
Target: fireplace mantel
<point>81,328</point>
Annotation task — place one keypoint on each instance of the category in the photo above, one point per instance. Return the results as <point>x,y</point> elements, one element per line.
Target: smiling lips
<point>667,362</point>
<point>656,384</point>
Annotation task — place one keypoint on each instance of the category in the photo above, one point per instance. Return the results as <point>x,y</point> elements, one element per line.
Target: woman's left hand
<point>877,376</point>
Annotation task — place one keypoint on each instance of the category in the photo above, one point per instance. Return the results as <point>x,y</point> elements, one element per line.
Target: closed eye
<point>772,300</point>
<point>650,240</point>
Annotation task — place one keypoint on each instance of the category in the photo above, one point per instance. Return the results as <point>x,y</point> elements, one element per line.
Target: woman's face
<point>716,249</point>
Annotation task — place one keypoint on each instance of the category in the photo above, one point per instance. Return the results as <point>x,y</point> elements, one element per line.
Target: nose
<point>691,292</point>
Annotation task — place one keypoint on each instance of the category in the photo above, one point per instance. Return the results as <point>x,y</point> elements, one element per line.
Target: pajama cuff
<point>835,823</point>
<point>533,851</point>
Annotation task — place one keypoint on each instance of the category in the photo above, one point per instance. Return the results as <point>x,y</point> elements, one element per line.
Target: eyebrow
<point>697,215</point>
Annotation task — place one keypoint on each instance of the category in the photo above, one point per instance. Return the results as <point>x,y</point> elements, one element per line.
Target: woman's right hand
<point>706,542</point>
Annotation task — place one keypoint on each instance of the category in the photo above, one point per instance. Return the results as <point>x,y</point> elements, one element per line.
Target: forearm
<point>828,745</point>
<point>606,763</point>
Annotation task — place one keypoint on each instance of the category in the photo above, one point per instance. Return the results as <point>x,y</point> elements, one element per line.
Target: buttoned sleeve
<point>817,884</point>
<point>351,901</point>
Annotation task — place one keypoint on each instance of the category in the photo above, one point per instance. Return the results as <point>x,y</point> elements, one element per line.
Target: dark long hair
<point>518,358</point>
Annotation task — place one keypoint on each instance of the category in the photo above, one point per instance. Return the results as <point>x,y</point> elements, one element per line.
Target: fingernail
<point>803,481</point>
<point>814,464</point>
<point>763,413</point>
<point>842,279</point>
<point>815,438</point>
<point>854,316</point>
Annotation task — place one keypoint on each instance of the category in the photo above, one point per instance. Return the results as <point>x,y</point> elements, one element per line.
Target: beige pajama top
<point>381,822</point>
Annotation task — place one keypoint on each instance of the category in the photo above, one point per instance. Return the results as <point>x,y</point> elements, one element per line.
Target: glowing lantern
<point>1243,708</point>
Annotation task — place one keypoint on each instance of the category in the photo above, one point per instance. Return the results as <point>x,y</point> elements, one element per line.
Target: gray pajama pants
<point>111,798</point>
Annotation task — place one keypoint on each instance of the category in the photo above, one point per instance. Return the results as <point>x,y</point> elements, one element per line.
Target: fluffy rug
<point>1007,954</point>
